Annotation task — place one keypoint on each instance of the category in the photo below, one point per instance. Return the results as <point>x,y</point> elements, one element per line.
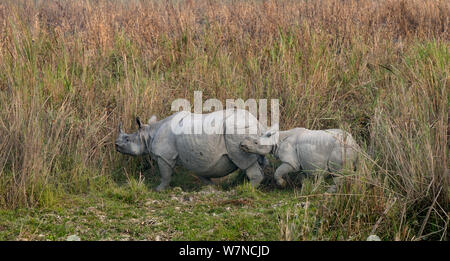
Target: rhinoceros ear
<point>152,119</point>
<point>138,121</point>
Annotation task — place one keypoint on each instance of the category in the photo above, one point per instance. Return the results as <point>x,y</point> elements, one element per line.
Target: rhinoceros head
<point>259,145</point>
<point>137,143</point>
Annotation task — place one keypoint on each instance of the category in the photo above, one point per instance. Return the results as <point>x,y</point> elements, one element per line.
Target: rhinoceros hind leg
<point>206,181</point>
<point>254,173</point>
<point>166,174</point>
<point>333,188</point>
<point>281,171</point>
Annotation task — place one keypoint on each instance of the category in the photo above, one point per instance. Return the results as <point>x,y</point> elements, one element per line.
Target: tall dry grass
<point>69,70</point>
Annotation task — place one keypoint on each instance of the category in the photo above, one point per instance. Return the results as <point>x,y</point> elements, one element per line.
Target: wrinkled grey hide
<point>211,154</point>
<point>307,150</point>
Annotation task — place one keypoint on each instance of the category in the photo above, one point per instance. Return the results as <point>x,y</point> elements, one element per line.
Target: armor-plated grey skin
<point>208,154</point>
<point>306,150</point>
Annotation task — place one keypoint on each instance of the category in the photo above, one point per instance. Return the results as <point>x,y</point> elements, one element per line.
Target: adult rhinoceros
<point>206,144</point>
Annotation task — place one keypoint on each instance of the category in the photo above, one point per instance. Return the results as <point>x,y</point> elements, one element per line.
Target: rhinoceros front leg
<point>282,171</point>
<point>254,173</point>
<point>166,174</point>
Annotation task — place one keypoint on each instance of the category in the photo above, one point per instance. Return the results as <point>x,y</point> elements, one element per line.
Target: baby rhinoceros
<point>311,151</point>
<point>206,144</point>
